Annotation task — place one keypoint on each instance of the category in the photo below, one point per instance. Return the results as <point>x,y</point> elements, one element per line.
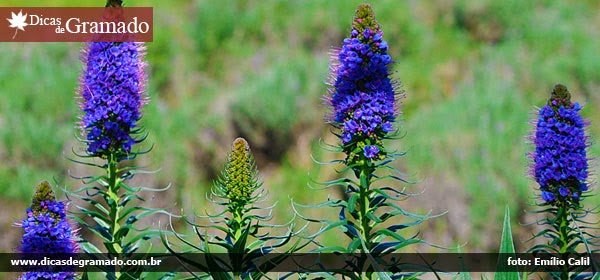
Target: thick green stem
<point>237,229</point>
<point>364,202</point>
<point>113,200</point>
<point>563,231</point>
<point>237,226</point>
<point>364,207</point>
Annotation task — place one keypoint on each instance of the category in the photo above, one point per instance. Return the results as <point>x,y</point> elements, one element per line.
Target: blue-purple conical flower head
<point>363,97</point>
<point>112,88</point>
<point>560,163</point>
<point>47,231</point>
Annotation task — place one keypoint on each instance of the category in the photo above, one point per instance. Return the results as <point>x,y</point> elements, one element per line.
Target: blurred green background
<point>472,72</point>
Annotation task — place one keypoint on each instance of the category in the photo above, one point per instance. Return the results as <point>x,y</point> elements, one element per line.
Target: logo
<point>17,22</point>
<point>77,24</point>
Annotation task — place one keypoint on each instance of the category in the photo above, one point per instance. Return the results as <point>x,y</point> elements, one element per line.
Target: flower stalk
<point>363,102</point>
<point>362,98</point>
<point>241,232</point>
<point>560,167</point>
<point>112,96</point>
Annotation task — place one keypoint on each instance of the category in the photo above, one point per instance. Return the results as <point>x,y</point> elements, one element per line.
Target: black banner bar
<point>310,262</point>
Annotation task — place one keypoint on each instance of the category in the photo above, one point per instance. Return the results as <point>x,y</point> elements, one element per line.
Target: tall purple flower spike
<point>363,97</point>
<point>112,91</point>
<point>560,163</point>
<point>47,231</point>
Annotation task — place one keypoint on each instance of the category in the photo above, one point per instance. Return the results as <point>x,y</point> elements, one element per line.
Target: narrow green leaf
<point>146,234</point>
<point>125,214</point>
<point>324,275</point>
<point>102,222</point>
<point>353,246</point>
<point>89,248</point>
<point>373,218</point>
<point>168,276</point>
<point>383,275</point>
<point>217,275</point>
<point>352,203</point>
<point>240,245</point>
<point>506,247</point>
<point>93,214</point>
<point>463,275</point>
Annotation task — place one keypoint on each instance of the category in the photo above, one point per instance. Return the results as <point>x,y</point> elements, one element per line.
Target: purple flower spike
<point>47,231</point>
<point>363,96</point>
<point>112,91</point>
<point>560,163</point>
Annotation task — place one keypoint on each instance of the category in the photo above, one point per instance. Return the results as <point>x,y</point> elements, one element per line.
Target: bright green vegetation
<point>472,71</point>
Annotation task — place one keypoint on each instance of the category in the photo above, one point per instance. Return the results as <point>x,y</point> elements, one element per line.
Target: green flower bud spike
<point>237,185</point>
<point>238,227</point>
<point>239,169</point>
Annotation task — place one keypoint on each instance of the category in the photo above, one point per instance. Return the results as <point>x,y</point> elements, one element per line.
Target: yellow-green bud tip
<point>240,146</point>
<point>364,18</point>
<point>43,192</point>
<point>561,92</point>
<point>560,96</point>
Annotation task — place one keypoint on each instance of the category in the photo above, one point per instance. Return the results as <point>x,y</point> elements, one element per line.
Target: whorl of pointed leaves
<point>112,91</point>
<point>363,96</point>
<point>47,231</point>
<point>560,163</point>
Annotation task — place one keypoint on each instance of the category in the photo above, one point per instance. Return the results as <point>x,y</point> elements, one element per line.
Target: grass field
<point>473,73</point>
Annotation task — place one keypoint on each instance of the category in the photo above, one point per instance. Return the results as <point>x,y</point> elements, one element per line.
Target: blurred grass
<point>472,72</point>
